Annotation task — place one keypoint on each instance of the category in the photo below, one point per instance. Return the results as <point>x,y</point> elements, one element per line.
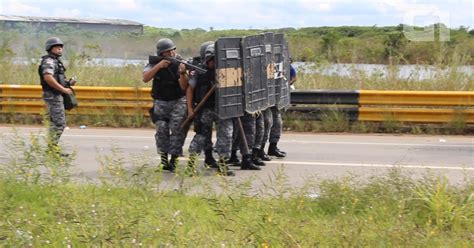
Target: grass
<point>130,75</point>
<point>453,80</point>
<point>129,208</point>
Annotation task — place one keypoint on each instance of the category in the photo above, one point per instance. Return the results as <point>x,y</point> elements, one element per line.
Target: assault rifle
<point>152,59</point>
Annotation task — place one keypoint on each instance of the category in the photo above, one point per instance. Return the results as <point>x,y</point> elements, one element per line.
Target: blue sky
<point>243,14</point>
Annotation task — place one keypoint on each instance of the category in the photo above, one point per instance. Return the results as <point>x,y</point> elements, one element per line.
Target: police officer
<point>249,126</point>
<point>293,76</point>
<point>259,155</point>
<point>273,132</point>
<point>273,128</point>
<point>200,84</point>
<point>168,90</point>
<point>193,100</point>
<point>53,81</point>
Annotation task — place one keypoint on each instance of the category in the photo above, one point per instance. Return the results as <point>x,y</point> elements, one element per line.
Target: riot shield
<point>270,68</point>
<point>285,86</point>
<point>282,93</point>
<point>255,73</point>
<point>229,91</point>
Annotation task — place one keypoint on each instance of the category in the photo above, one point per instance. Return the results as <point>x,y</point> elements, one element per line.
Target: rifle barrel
<point>155,59</point>
<point>197,68</point>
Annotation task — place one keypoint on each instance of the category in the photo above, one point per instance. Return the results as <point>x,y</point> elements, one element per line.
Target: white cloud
<point>67,13</point>
<point>17,8</point>
<point>226,14</point>
<point>128,5</point>
<point>318,5</point>
<point>114,5</point>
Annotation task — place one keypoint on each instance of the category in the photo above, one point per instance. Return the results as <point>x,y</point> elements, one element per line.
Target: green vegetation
<point>322,45</point>
<point>347,44</point>
<point>44,205</point>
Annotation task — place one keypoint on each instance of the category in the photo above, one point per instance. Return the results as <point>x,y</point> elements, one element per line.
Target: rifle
<point>69,101</point>
<point>152,59</point>
<point>188,120</point>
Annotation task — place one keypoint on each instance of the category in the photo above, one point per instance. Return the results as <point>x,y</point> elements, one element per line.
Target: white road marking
<point>368,165</point>
<point>282,141</point>
<point>407,166</point>
<point>373,143</point>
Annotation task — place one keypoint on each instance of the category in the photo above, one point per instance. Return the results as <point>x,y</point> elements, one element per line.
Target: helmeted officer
<point>194,99</point>
<point>168,90</point>
<point>53,82</point>
<point>200,84</point>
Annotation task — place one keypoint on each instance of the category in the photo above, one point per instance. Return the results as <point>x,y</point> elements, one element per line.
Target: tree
<point>394,43</point>
<point>329,43</point>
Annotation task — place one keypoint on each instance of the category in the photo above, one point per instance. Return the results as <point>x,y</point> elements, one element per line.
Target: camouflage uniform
<point>268,123</point>
<point>197,143</point>
<point>169,110</point>
<point>259,131</point>
<point>273,128</point>
<point>248,123</point>
<point>169,135</point>
<point>276,125</point>
<point>51,64</point>
<point>203,138</point>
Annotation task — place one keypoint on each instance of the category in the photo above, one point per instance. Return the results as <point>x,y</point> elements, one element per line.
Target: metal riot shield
<point>282,96</point>
<point>255,73</point>
<point>285,86</point>
<point>229,91</point>
<point>270,68</point>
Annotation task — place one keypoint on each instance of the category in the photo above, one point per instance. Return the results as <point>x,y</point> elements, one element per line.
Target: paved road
<point>309,155</point>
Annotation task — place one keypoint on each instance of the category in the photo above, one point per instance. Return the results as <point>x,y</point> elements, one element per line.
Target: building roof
<point>68,20</point>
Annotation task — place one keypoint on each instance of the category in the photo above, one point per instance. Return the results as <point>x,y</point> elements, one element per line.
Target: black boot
<point>165,165</point>
<point>209,159</point>
<point>233,160</point>
<point>172,163</point>
<point>256,159</point>
<point>247,163</point>
<point>274,151</point>
<point>223,169</point>
<point>262,155</point>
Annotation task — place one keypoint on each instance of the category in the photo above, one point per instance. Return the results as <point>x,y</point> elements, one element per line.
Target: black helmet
<point>202,50</point>
<point>53,41</point>
<point>209,53</point>
<point>164,45</point>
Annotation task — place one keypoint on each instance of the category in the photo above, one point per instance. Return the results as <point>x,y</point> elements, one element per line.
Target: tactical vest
<point>203,85</point>
<point>59,74</point>
<point>166,84</point>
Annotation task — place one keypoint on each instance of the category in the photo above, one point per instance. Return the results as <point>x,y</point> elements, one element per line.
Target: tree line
<point>345,44</point>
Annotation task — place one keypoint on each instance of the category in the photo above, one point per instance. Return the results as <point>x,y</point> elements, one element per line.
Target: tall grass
<point>128,208</point>
<point>445,78</point>
<point>130,76</point>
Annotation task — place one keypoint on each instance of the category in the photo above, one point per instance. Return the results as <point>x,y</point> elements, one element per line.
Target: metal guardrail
<point>363,105</point>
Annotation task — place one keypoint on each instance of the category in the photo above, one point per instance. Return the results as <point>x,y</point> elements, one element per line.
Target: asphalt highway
<point>310,155</point>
